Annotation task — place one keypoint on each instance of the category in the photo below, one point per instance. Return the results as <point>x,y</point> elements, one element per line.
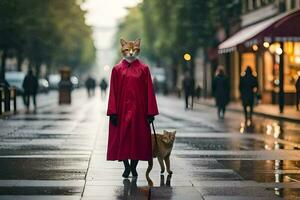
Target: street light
<point>255,47</point>
<point>273,47</point>
<point>187,57</point>
<point>266,44</point>
<point>279,51</point>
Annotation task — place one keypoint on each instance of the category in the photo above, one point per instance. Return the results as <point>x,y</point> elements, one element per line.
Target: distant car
<point>16,79</point>
<point>43,85</point>
<point>54,80</point>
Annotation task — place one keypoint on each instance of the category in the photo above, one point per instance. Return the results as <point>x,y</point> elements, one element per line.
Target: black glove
<point>113,119</point>
<point>150,119</point>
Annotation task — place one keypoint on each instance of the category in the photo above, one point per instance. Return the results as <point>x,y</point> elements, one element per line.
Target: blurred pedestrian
<point>220,87</point>
<point>188,85</point>
<point>93,86</point>
<point>155,85</point>
<point>297,85</point>
<point>198,91</point>
<point>131,107</point>
<point>103,86</point>
<point>30,86</point>
<point>248,88</point>
<point>5,86</point>
<point>90,85</point>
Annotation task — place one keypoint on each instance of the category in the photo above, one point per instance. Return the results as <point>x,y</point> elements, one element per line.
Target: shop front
<point>271,73</point>
<point>272,49</point>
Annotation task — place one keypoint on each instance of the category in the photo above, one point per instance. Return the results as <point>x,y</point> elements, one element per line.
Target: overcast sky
<point>104,15</point>
<point>106,12</point>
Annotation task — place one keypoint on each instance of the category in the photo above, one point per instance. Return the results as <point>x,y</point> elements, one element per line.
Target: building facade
<point>255,45</point>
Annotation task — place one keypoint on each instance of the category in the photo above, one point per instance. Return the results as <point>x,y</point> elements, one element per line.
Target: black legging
<point>187,100</point>
<point>297,99</point>
<point>248,115</point>
<point>130,167</point>
<point>221,109</point>
<point>27,100</point>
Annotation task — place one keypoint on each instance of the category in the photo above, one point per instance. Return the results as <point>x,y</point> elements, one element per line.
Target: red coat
<point>132,99</point>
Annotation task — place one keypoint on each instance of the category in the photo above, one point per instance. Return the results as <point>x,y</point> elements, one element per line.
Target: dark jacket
<point>30,84</point>
<point>220,88</point>
<point>247,84</point>
<point>103,84</point>
<point>188,85</point>
<point>90,83</point>
<point>297,85</point>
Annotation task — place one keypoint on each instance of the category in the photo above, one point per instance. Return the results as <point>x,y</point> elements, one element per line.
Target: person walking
<point>93,86</point>
<point>131,108</point>
<point>30,86</point>
<point>248,87</point>
<point>198,91</point>
<point>220,87</point>
<point>297,85</point>
<point>90,85</point>
<point>103,86</point>
<point>188,85</point>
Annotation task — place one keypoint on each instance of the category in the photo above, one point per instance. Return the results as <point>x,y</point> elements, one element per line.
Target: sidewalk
<point>43,100</point>
<point>60,153</point>
<point>104,181</point>
<point>267,110</point>
<point>198,161</point>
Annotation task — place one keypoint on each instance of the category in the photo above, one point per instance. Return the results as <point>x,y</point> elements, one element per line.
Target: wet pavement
<point>59,153</point>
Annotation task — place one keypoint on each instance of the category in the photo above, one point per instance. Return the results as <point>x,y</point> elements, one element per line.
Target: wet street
<point>60,153</point>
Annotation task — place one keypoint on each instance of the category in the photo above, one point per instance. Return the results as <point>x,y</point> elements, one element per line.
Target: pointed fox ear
<point>137,42</point>
<point>123,42</point>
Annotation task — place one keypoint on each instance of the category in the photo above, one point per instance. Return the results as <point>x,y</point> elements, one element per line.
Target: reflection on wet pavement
<point>60,152</point>
<point>46,155</point>
<point>265,171</point>
<point>263,153</point>
<point>43,168</point>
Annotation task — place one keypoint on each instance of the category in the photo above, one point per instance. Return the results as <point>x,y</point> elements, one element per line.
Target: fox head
<point>130,49</point>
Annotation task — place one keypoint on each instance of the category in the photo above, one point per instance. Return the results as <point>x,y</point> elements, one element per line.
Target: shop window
<point>268,71</point>
<point>292,65</point>
<point>248,59</point>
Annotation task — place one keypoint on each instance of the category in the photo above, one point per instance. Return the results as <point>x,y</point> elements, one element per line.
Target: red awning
<point>284,27</point>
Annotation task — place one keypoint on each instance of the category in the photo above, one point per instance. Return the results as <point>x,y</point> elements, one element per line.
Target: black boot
<point>127,169</point>
<point>133,164</point>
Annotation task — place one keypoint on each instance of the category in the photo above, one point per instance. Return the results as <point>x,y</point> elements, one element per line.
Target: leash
<point>154,132</point>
